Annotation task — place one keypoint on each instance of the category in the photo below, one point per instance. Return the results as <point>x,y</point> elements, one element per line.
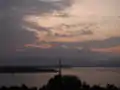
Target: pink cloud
<point>115,49</point>
<point>44,46</point>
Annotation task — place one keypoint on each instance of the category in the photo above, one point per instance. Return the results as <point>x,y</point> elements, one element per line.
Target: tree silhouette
<point>69,82</point>
<point>85,86</point>
<point>63,83</point>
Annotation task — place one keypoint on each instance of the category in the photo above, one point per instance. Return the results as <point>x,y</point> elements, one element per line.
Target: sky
<point>64,28</point>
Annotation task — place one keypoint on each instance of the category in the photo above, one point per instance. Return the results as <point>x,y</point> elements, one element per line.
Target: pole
<point>60,74</point>
<point>60,67</point>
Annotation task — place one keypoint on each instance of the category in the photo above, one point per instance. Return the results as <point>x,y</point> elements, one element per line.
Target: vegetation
<point>66,82</point>
<point>73,83</point>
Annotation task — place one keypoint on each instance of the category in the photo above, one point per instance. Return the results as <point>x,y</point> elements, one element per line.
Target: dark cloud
<point>32,6</point>
<point>36,27</point>
<point>62,35</point>
<point>86,32</point>
<point>12,35</point>
<point>111,42</point>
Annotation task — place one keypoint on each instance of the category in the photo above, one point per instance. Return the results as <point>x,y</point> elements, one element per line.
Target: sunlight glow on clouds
<point>50,0</point>
<point>84,20</point>
<point>44,46</point>
<point>115,49</point>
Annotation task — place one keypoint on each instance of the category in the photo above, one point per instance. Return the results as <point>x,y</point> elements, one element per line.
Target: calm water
<point>100,76</point>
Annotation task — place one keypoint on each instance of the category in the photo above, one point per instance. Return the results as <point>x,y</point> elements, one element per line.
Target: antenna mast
<point>60,67</point>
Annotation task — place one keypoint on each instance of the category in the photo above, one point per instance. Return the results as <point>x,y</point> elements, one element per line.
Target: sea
<point>91,75</point>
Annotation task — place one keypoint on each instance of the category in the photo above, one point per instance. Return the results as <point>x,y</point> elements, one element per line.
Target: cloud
<point>95,44</point>
<point>12,34</point>
<point>73,47</point>
<point>61,15</point>
<point>86,32</point>
<point>64,46</point>
<point>115,49</point>
<point>43,46</point>
<point>50,0</point>
<point>29,22</point>
<point>78,22</point>
<point>107,43</point>
<point>79,48</point>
